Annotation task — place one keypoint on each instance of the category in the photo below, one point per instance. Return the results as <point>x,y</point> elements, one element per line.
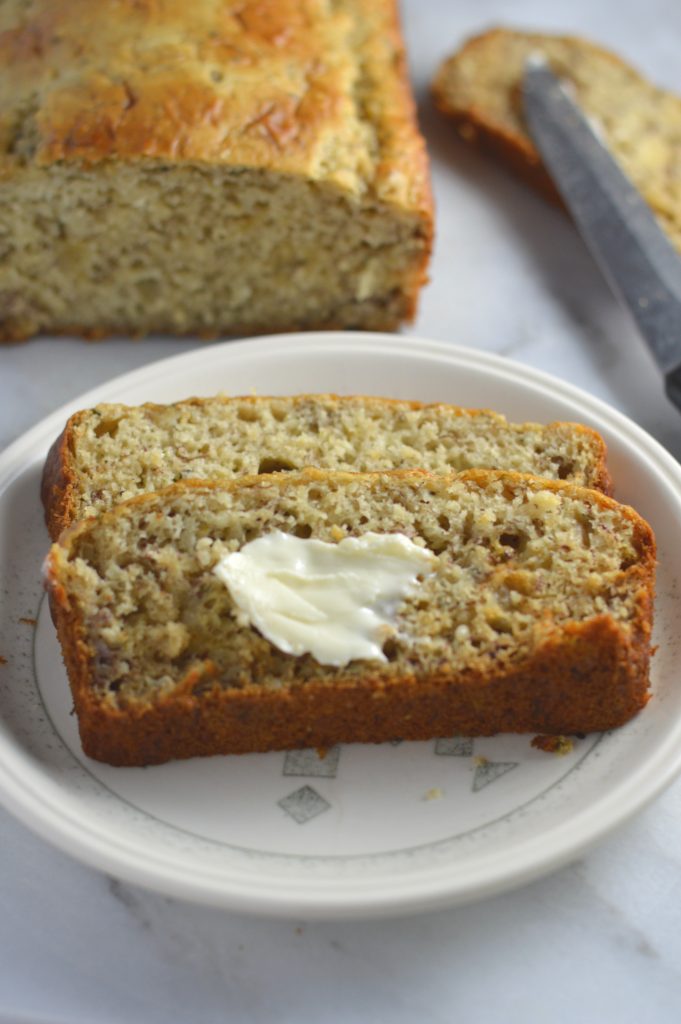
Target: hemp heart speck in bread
<point>535,616</point>
<point>207,167</point>
<point>479,87</point>
<point>113,452</point>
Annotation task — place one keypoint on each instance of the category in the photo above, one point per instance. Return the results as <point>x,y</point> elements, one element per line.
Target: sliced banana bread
<point>536,618</point>
<point>111,453</point>
<point>479,87</point>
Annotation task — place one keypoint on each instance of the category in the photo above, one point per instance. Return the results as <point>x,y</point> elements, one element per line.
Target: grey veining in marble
<point>597,941</point>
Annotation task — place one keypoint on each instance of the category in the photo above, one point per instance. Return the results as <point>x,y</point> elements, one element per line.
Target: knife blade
<point>618,226</point>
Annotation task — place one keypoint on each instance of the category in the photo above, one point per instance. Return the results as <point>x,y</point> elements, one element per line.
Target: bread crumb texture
<point>519,562</point>
<point>207,167</point>
<point>114,452</point>
<point>479,86</point>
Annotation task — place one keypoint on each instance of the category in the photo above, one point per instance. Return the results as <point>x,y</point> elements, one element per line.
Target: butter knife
<point>618,226</point>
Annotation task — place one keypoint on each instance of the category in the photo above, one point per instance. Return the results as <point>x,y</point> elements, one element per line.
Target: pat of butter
<point>337,602</point>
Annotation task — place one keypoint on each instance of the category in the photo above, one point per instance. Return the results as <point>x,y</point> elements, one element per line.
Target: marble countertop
<point>598,940</point>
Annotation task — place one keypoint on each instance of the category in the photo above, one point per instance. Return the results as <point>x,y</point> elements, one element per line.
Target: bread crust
<point>512,148</point>
<point>377,320</point>
<point>149,79</point>
<point>583,677</point>
<point>59,480</point>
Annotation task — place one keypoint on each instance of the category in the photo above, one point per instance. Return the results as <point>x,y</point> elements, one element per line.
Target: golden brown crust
<point>584,677</point>
<point>59,481</point>
<point>508,148</point>
<point>260,83</point>
<point>305,89</point>
<point>511,147</point>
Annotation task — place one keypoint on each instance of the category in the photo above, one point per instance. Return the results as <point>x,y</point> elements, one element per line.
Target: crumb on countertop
<point>480,761</point>
<point>29,622</point>
<point>560,745</point>
<point>3,661</point>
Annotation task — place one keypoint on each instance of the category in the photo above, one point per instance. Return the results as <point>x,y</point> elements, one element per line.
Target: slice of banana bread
<point>479,87</point>
<point>111,453</point>
<point>536,618</point>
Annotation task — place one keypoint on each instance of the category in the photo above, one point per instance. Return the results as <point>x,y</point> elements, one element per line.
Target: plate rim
<point>530,858</point>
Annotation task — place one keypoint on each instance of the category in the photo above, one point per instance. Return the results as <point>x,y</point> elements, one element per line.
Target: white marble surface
<point>599,940</point>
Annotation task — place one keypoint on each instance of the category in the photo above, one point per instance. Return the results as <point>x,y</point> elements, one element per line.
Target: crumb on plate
<point>560,745</point>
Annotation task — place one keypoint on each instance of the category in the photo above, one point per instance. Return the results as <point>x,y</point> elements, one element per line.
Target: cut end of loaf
<point>537,619</point>
<point>151,247</point>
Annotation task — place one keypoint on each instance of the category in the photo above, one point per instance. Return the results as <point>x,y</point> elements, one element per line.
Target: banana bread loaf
<point>479,87</point>
<point>537,616</point>
<point>111,453</point>
<point>207,167</point>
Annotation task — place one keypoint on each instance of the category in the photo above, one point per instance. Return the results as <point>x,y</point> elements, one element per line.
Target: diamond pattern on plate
<point>490,771</point>
<point>304,804</point>
<point>454,746</point>
<point>309,762</point>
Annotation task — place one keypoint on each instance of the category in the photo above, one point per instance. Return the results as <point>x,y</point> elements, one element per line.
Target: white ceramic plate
<point>368,830</point>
